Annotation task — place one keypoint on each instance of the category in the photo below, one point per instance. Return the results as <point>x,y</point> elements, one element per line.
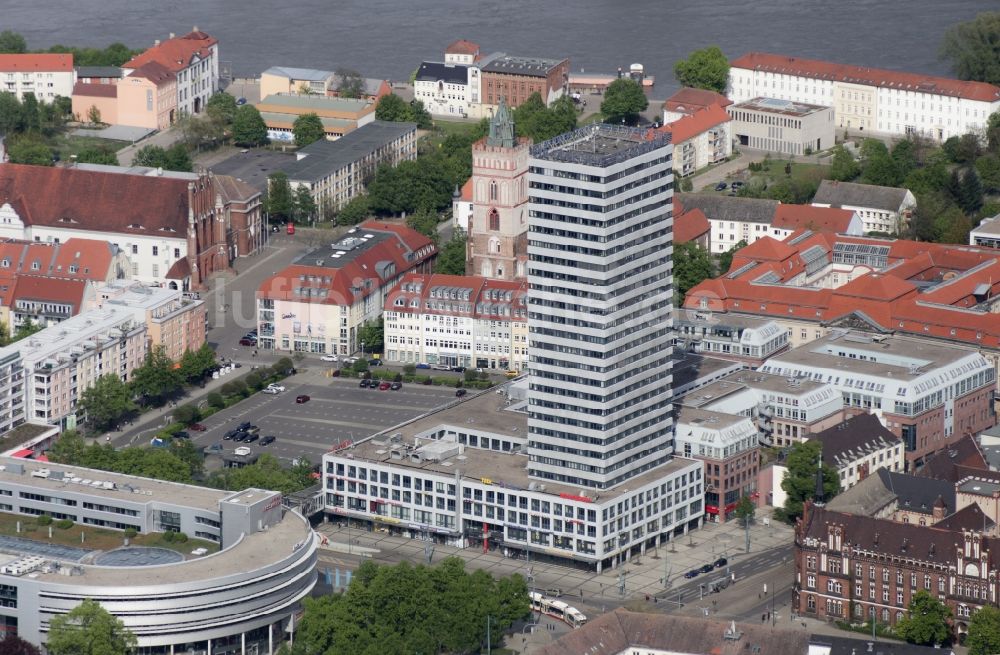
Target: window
<point>156,251</point>
<point>494,214</point>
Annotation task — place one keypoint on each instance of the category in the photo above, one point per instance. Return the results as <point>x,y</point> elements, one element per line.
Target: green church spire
<point>502,127</point>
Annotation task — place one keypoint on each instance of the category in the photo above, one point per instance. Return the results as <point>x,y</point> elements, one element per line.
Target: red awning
<point>24,453</point>
<point>41,458</point>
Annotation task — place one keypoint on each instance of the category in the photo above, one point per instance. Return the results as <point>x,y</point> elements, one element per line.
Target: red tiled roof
<point>479,301</point>
<point>49,289</point>
<point>688,100</point>
<point>49,63</point>
<point>694,124</point>
<point>82,259</point>
<point>462,47</point>
<point>175,54</point>
<point>796,217</point>
<point>825,70</point>
<point>154,71</point>
<point>767,249</point>
<point>180,269</point>
<point>96,201</point>
<point>467,191</point>
<point>688,226</point>
<point>95,90</point>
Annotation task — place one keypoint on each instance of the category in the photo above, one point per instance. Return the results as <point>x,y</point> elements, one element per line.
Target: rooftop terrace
<point>600,145</point>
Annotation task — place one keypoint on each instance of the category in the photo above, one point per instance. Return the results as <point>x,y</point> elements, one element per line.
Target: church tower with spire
<point>498,231</point>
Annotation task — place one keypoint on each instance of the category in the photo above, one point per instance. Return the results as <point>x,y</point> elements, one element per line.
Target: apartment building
<point>868,99</point>
<point>782,126</point>
<point>727,444</point>
<point>192,59</point>
<point>12,393</point>
<point>858,447</point>
<point>886,210</point>
<point>700,139</point>
<point>46,76</point>
<point>335,172</point>
<point>928,394</point>
<point>319,303</point>
<point>452,320</point>
<point>174,320</point>
<point>688,100</point>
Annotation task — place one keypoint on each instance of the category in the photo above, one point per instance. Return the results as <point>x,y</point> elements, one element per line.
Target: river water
<point>389,38</point>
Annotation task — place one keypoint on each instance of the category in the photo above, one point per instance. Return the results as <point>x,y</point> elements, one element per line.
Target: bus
<point>557,609</point>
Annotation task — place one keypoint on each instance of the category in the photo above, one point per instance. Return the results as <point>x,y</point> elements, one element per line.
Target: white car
<point>274,388</point>
<point>328,358</point>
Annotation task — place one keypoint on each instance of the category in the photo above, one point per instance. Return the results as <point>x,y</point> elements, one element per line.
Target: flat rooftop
<point>314,103</point>
<point>600,145</point>
<point>254,166</point>
<point>778,106</point>
<point>319,159</point>
<point>345,250</point>
<point>689,367</point>
<point>514,65</point>
<point>706,418</point>
<point>127,487</point>
<point>73,333</point>
<point>979,487</point>
<point>485,412</point>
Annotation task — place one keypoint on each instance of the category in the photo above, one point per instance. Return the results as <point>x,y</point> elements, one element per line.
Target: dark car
<point>384,386</point>
<point>268,440</point>
<point>181,434</point>
<point>374,362</point>
<point>721,186</point>
<point>197,427</point>
<point>373,384</point>
<point>722,561</point>
<point>458,369</point>
<point>245,425</point>
<point>459,393</point>
<point>250,438</point>
<point>232,434</point>
<point>247,341</point>
<point>363,384</point>
<point>707,568</point>
<point>396,386</point>
<point>693,573</point>
<point>736,185</point>
<point>301,399</point>
<point>423,365</point>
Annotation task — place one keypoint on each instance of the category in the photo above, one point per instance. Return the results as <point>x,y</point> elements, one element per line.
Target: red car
<point>247,341</point>
<point>384,386</point>
<point>197,427</point>
<point>301,399</point>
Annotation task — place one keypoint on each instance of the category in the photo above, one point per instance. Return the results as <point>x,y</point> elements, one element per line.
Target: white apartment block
<point>448,89</point>
<point>12,412</point>
<point>868,99</point>
<point>47,76</point>
<point>451,320</point>
<point>194,59</point>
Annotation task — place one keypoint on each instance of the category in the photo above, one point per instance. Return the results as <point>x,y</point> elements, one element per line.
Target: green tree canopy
<point>157,378</point>
<point>350,84</point>
<point>248,126</point>
<point>983,637</point>
<point>28,148</point>
<point>843,166</point>
<point>451,256</point>
<point>88,629</point>
<point>98,155</point>
<point>707,68</point>
<point>539,123</point>
<point>973,48</point>
<point>355,211</point>
<point>14,645</point>
<point>623,101</point>
<point>692,264</point>
<point>962,149</point>
<point>266,473</point>
<point>420,115</point>
<point>221,107</point>
<point>988,167</point>
<point>11,114</point>
<point>305,206</point>
<point>392,108</point>
<point>927,621</point>
<point>745,509</point>
<point>372,333</point>
<point>308,128</point>
<point>107,401</point>
<point>12,43</point>
<point>280,199</point>
<point>424,221</point>
<point>800,479</point>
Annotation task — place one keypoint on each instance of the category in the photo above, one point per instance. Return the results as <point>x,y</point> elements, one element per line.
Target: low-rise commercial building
<point>310,81</point>
<point>46,76</point>
<point>335,172</point>
<point>782,126</point>
<point>987,233</point>
<point>451,320</point>
<point>517,78</point>
<point>882,209</point>
<point>238,600</point>
<point>727,444</point>
<point>338,115</point>
<point>319,304</point>
<point>466,484</point>
<point>928,394</point>
<point>858,447</point>
<point>744,339</point>
<point>174,321</point>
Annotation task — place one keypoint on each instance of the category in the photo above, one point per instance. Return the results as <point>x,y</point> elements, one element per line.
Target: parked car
<point>396,386</point>
<point>364,383</point>
<point>271,392</point>
<point>373,384</point>
<point>384,386</point>
<point>374,362</point>
<point>350,361</point>
<point>245,425</point>
<point>693,573</point>
<point>181,434</point>
<point>441,367</point>
<point>250,438</point>
<point>736,185</point>
<point>232,434</point>
<point>459,393</point>
<point>721,186</point>
<point>214,448</point>
<point>512,374</point>
<point>247,341</point>
<point>277,387</point>
<point>707,568</point>
<point>328,358</point>
<point>423,365</point>
<point>268,440</point>
<point>197,427</point>
<point>301,399</point>
<point>458,369</point>
<point>722,561</point>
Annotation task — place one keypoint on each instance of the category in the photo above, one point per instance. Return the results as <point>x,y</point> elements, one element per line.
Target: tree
<point>178,159</point>
<point>962,149</point>
<point>707,68</point>
<point>94,115</point>
<point>221,107</point>
<point>266,473</point>
<point>88,629</point>
<point>451,256</point>
<point>14,645</point>
<point>69,448</point>
<point>280,201</point>
<point>993,133</point>
<point>28,328</point>
<point>98,155</point>
<point>927,621</point>
<point>186,414</point>
<point>988,167</point>
<point>970,197</point>
<point>623,101</point>
<point>420,115</point>
<point>361,365</point>
<point>692,264</point>
<point>904,156</point>
<point>973,48</point>
<point>350,84</point>
<point>726,258</point>
<point>372,334</point>
<point>248,126</point>
<point>283,366</point>
<point>983,637</point>
<point>157,377</point>
<point>843,166</point>
<point>800,479</point>
<point>355,211</point>
<point>11,114</point>
<point>392,108</point>
<point>29,149</point>
<point>107,401</point>
<point>308,128</point>
<point>305,206</point>
<point>540,123</point>
<point>745,509</point>
<point>12,43</point>
<point>424,221</point>
<point>150,155</point>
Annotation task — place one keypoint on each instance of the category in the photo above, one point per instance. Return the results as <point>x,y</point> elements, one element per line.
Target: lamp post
<point>362,350</point>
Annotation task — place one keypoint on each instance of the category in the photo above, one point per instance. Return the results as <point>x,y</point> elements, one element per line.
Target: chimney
<point>195,29</point>
<point>156,43</point>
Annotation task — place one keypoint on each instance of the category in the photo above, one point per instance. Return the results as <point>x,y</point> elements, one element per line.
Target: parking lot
<point>337,410</point>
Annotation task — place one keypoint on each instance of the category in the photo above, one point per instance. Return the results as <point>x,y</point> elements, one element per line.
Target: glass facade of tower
<point>600,277</point>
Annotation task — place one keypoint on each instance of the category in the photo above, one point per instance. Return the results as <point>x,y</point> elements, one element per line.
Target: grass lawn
<point>68,144</point>
<point>454,127</point>
<point>95,538</point>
